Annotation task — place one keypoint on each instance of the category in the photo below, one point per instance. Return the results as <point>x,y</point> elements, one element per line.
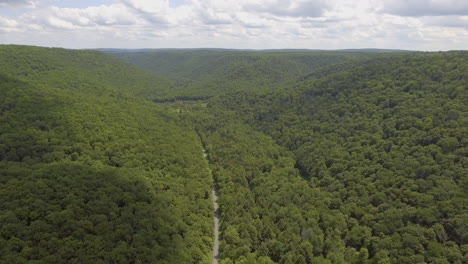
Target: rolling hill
<point>317,157</point>
<point>89,172</point>
<point>206,73</point>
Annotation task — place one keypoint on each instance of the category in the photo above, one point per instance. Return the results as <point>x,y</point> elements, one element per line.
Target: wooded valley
<point>317,157</point>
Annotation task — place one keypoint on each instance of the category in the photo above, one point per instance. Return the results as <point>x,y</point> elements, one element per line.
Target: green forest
<point>90,173</point>
<point>316,157</point>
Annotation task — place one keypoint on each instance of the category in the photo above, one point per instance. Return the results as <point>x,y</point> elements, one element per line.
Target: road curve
<point>214,197</point>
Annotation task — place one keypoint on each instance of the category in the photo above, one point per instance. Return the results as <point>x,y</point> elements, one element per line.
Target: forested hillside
<point>317,157</point>
<point>268,213</point>
<point>89,174</point>
<point>200,74</point>
<point>90,72</point>
<point>386,143</point>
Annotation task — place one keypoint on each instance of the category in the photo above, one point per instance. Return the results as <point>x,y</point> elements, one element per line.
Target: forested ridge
<point>317,157</point>
<point>92,175</point>
<point>85,71</point>
<point>206,73</point>
<point>386,143</point>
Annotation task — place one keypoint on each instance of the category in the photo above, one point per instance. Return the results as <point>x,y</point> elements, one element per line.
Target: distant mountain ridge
<point>205,73</point>
<point>369,50</point>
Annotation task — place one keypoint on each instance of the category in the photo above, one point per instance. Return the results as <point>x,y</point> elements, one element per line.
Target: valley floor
<point>215,219</point>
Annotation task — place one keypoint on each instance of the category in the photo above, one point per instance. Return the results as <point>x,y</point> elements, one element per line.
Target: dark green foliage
<point>89,72</point>
<point>90,177</point>
<point>317,157</point>
<point>69,212</point>
<point>203,74</point>
<point>268,212</point>
<point>386,143</point>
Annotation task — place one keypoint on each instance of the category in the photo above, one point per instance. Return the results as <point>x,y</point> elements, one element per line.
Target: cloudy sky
<point>256,24</point>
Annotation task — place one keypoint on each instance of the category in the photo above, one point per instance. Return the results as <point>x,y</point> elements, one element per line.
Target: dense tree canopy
<point>387,142</point>
<point>88,177</point>
<point>201,74</point>
<point>317,157</point>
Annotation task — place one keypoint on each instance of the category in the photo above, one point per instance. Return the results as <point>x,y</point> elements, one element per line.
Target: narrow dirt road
<point>216,228</point>
<point>214,197</point>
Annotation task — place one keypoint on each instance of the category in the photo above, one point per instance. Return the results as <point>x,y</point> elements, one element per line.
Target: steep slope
<point>85,71</point>
<point>383,142</point>
<point>90,174</point>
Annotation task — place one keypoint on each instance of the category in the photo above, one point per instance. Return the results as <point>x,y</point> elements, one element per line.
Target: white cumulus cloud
<point>329,24</point>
